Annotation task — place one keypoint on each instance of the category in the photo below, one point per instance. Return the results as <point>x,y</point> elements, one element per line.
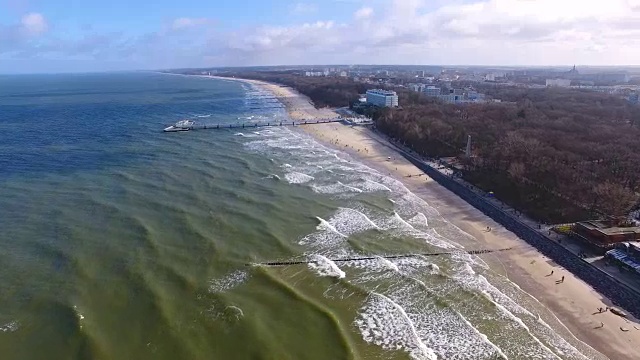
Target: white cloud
<point>304,8</point>
<point>490,31</point>
<point>363,13</point>
<point>34,23</point>
<point>184,23</point>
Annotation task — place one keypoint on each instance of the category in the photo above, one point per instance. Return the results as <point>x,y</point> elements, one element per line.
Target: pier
<point>258,125</point>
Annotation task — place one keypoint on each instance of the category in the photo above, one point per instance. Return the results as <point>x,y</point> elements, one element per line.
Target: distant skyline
<point>79,36</point>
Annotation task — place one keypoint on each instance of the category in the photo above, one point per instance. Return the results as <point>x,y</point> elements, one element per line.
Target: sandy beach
<point>574,303</point>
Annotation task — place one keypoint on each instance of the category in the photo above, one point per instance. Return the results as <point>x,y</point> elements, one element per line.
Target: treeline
<point>323,91</point>
<point>557,154</point>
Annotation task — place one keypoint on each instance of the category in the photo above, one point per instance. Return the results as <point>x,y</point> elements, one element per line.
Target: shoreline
<point>572,303</point>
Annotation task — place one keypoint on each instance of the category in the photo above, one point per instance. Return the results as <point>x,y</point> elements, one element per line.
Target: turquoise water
<point>123,242</point>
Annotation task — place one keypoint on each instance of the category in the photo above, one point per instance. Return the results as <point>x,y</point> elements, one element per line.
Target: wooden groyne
<point>260,125</point>
<point>400,256</point>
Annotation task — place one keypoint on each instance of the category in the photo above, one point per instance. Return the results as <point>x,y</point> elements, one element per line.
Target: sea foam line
<point>352,188</point>
<point>483,336</point>
<point>324,224</point>
<point>519,321</point>
<point>424,352</point>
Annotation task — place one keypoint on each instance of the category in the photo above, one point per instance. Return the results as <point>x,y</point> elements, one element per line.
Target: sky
<point>39,36</point>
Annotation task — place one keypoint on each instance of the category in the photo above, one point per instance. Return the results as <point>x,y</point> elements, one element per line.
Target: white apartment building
<point>558,82</point>
<point>382,98</point>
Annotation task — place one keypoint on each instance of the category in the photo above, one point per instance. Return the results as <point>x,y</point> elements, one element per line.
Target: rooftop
<point>381,92</point>
<point>607,229</point>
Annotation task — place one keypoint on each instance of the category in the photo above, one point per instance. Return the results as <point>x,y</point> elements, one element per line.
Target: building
<point>343,74</point>
<point>432,91</point>
<point>474,95</point>
<point>382,98</point>
<point>604,234</point>
<point>558,82</point>
<point>613,78</point>
<point>451,98</point>
<point>626,256</point>
<point>417,87</point>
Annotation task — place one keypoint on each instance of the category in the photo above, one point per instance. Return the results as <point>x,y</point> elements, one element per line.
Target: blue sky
<point>104,35</point>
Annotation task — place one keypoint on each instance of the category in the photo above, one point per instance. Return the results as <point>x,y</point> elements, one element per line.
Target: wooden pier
<point>260,125</point>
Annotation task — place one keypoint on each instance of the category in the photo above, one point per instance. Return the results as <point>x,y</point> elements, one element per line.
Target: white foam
<point>272,176</point>
<point>419,220</point>
<point>298,178</point>
<point>239,134</point>
<point>385,323</point>
<point>371,186</point>
<point>326,225</point>
<point>325,267</point>
<point>349,187</point>
<point>388,264</point>
<point>400,220</point>
<point>337,188</point>
<point>227,282</point>
<point>10,326</point>
<point>236,310</point>
<point>78,314</point>
<point>519,321</point>
<point>350,221</point>
<point>483,336</point>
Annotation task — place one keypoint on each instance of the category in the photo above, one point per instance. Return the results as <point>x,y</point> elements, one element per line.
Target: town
<point>459,85</point>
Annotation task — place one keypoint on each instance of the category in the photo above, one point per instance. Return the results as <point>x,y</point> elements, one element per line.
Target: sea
<point>119,241</point>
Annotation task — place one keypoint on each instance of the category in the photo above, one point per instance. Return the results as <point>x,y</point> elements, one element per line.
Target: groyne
<point>397,256</point>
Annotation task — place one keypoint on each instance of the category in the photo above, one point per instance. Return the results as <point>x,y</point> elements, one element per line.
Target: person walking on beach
<point>551,273</point>
<point>562,280</point>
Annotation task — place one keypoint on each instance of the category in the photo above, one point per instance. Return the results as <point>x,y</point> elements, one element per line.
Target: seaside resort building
<point>604,234</point>
<point>626,256</point>
<point>382,98</point>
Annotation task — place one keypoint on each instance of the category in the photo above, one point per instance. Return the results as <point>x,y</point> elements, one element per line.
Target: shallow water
<point>120,241</point>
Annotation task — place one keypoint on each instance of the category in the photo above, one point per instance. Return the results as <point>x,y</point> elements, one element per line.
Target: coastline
<point>572,302</point>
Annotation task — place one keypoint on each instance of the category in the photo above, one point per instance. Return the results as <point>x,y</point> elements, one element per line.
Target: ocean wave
<point>227,282</point>
<point>298,178</point>
<point>386,324</point>
<point>325,267</point>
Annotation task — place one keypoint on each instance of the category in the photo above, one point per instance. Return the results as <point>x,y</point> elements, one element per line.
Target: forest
<point>559,155</point>
<point>323,91</point>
